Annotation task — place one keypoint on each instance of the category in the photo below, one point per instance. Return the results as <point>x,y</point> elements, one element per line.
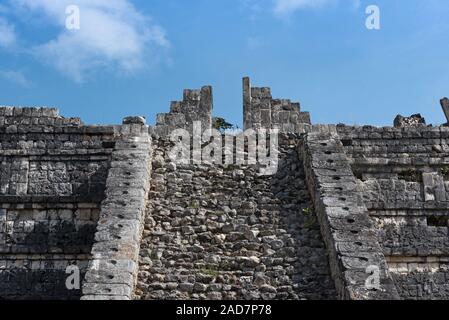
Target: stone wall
<point>52,180</point>
<point>225,232</point>
<point>344,207</point>
<point>196,105</point>
<point>37,246</point>
<point>260,110</point>
<point>112,272</point>
<point>351,239</point>
<point>403,176</point>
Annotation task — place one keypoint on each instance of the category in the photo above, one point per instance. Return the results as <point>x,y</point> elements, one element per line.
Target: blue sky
<point>132,57</point>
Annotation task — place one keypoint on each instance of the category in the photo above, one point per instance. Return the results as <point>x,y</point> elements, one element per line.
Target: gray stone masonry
<point>225,232</point>
<point>260,110</point>
<point>346,207</point>
<point>403,173</point>
<point>346,227</point>
<point>196,105</point>
<point>445,105</point>
<point>413,120</point>
<point>113,269</point>
<point>13,117</point>
<point>52,180</point>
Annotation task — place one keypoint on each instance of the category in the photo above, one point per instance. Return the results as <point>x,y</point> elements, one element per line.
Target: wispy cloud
<point>8,37</point>
<point>255,8</point>
<point>16,77</point>
<point>113,34</point>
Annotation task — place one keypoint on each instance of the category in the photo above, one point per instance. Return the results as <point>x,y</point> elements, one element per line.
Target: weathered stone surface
<point>260,110</point>
<point>134,120</point>
<point>52,179</point>
<point>445,105</point>
<point>118,235</point>
<point>343,220</point>
<point>196,106</point>
<point>345,204</point>
<point>413,120</point>
<point>402,173</point>
<point>218,232</point>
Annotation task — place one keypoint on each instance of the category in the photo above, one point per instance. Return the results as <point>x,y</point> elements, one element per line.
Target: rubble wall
<point>226,232</point>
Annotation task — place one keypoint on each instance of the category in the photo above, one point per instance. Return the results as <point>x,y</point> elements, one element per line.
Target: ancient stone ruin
<point>350,213</point>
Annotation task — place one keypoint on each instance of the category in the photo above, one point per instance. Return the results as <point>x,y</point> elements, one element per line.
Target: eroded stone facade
<point>225,232</point>
<point>345,204</point>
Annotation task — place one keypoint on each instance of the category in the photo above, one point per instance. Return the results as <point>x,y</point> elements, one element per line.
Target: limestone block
<point>413,120</point>
<point>434,189</point>
<point>445,105</point>
<point>134,120</point>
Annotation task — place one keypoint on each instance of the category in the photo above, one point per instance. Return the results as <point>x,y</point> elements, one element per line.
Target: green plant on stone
<point>194,204</point>
<point>310,220</point>
<point>210,271</point>
<point>445,171</point>
<point>307,211</point>
<point>217,212</point>
<point>221,124</point>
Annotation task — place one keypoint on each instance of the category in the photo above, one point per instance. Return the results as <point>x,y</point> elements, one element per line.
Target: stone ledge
<point>112,273</point>
<point>29,202</point>
<point>350,237</point>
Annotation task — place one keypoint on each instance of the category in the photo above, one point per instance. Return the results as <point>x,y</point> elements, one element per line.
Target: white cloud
<point>255,8</point>
<point>16,77</point>
<point>113,34</point>
<point>8,36</point>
